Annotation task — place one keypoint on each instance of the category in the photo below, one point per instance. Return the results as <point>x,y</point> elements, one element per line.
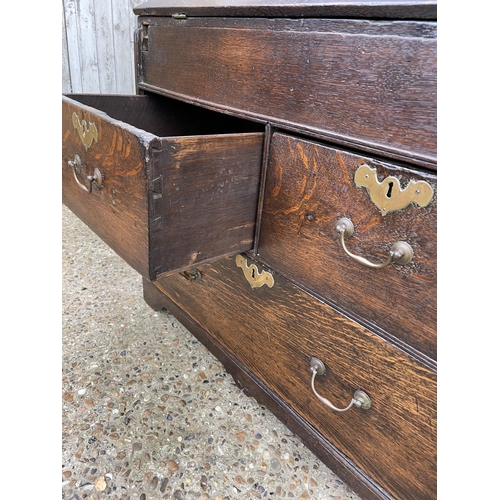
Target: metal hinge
<point>179,15</point>
<point>144,37</point>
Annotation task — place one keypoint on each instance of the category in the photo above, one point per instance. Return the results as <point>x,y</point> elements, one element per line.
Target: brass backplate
<point>87,132</point>
<point>252,274</point>
<point>388,195</point>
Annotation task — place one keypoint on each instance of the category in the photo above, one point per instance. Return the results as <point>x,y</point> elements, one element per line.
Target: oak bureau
<point>274,181</point>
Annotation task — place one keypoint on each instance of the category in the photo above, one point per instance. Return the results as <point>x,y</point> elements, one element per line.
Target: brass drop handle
<point>400,252</point>
<point>76,166</point>
<point>359,400</point>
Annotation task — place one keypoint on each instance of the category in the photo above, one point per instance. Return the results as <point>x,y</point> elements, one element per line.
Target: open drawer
<point>165,184</point>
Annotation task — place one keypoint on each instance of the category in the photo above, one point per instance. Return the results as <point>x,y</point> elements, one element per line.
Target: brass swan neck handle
<point>400,252</point>
<point>76,167</point>
<point>360,398</point>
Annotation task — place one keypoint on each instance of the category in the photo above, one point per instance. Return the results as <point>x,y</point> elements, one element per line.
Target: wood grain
<point>205,204</point>
<point>181,189</point>
<point>392,9</point>
<point>73,73</point>
<point>66,77</point>
<point>117,213</point>
<point>274,332</point>
<point>341,465</point>
<point>371,85</point>
<point>98,38</point>
<point>309,187</point>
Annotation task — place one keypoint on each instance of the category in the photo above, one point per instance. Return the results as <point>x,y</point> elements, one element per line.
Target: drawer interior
<point>166,117</point>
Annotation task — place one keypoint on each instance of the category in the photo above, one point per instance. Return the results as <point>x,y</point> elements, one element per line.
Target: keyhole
<point>389,191</point>
<point>253,273</point>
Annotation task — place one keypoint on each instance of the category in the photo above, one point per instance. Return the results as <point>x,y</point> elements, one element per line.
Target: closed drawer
<point>274,331</point>
<point>173,185</point>
<point>309,187</point>
<point>363,83</point>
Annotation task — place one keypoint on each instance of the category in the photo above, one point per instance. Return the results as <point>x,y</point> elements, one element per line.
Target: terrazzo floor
<point>148,412</point>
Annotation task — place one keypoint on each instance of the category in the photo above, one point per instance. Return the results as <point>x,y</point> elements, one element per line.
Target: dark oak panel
<point>392,9</point>
<point>208,202</point>
<point>309,187</point>
<point>371,85</point>
<point>121,155</point>
<point>274,331</point>
<point>341,83</point>
<point>347,470</point>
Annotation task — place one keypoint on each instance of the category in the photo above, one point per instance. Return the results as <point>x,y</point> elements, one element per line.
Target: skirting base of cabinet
<point>254,387</point>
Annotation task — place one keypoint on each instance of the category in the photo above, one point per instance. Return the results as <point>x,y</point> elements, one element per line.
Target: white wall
<point>98,46</point>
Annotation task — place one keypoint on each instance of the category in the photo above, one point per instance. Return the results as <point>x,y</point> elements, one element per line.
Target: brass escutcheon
<point>87,132</point>
<point>388,195</point>
<point>252,274</point>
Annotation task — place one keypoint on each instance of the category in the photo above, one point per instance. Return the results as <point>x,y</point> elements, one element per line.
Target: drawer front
<point>163,203</point>
<point>274,331</point>
<point>118,211</point>
<point>206,204</point>
<point>365,84</point>
<point>309,187</point>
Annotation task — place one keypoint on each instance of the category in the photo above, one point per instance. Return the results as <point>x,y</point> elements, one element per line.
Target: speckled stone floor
<point>148,412</point>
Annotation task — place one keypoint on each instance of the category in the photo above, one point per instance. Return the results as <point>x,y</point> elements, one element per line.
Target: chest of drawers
<point>274,181</point>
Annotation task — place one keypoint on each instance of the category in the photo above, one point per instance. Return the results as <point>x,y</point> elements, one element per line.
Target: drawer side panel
<point>117,212</point>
